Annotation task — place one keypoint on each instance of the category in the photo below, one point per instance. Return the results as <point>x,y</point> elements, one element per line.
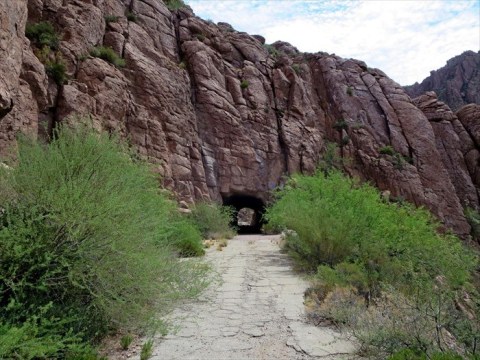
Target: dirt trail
<point>256,312</point>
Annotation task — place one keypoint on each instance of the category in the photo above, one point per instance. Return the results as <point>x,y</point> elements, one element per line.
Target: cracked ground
<point>255,311</point>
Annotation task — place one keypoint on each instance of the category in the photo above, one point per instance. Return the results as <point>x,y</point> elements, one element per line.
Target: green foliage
<point>57,70</point>
<point>244,84</point>
<point>330,159</point>
<point>42,34</point>
<point>111,18</point>
<point>174,4</point>
<point>297,69</point>
<point>387,150</point>
<point>349,91</point>
<point>338,220</point>
<point>473,218</point>
<point>408,354</point>
<point>272,51</point>
<point>126,341</point>
<point>86,245</point>
<point>131,16</point>
<point>147,350</point>
<point>341,124</point>
<point>108,54</point>
<point>213,220</point>
<point>343,230</point>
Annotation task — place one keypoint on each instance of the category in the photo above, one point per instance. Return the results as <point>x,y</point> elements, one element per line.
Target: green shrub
<point>131,16</point>
<point>387,150</point>
<point>147,350</point>
<point>43,34</point>
<point>349,91</point>
<point>108,54</point>
<point>297,69</point>
<point>86,243</point>
<point>340,124</point>
<point>57,70</point>
<point>353,239</point>
<point>213,220</point>
<point>126,341</point>
<point>111,18</point>
<point>174,4</point>
<point>244,84</point>
<point>473,218</point>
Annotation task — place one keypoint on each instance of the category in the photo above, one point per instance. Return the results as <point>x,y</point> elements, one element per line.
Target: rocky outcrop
<point>219,113</point>
<point>454,144</point>
<point>456,84</point>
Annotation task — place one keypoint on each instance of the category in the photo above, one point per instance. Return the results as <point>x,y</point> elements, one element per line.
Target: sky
<point>404,38</point>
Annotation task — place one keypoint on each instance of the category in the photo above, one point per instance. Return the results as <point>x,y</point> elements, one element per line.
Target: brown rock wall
<point>219,113</point>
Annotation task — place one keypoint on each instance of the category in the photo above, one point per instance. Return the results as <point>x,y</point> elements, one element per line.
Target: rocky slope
<point>220,113</point>
<point>456,84</point>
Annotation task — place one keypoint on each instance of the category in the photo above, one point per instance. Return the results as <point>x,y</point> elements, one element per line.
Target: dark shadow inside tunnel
<point>248,213</point>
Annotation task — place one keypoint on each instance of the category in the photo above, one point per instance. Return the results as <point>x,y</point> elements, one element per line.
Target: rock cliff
<point>220,113</point>
<point>457,83</point>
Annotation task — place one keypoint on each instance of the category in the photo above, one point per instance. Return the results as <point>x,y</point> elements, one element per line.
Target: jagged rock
<point>447,129</point>
<point>218,115</point>
<point>457,83</point>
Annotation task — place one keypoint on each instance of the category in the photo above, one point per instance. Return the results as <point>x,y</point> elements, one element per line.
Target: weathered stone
<point>218,115</point>
<point>457,83</point>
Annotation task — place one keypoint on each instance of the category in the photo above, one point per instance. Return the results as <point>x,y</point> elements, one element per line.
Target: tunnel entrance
<point>248,213</point>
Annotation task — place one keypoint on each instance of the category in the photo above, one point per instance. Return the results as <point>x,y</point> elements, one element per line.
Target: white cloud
<point>404,38</point>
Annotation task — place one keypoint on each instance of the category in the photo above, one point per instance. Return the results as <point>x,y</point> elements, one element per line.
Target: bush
<point>43,34</point>
<point>131,16</point>
<point>174,4</point>
<point>57,70</point>
<point>213,220</point>
<point>86,243</point>
<point>344,231</point>
<point>108,54</point>
<point>387,150</point>
<point>111,18</point>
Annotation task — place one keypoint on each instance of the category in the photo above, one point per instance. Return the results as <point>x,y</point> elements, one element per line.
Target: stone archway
<point>241,201</point>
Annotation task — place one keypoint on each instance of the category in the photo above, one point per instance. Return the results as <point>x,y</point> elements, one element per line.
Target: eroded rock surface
<point>457,83</point>
<point>255,312</point>
<point>217,111</point>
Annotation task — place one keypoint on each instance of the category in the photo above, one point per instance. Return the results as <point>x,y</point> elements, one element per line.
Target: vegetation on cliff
<point>87,245</point>
<point>380,268</point>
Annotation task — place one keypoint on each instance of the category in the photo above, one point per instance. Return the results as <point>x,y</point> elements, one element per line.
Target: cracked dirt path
<point>256,312</point>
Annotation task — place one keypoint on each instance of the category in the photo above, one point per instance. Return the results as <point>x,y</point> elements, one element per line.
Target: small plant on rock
<point>244,84</point>
<point>108,54</point>
<point>341,124</point>
<point>349,91</point>
<point>175,4</point>
<point>387,150</point>
<point>43,34</point>
<point>111,18</point>
<point>131,16</point>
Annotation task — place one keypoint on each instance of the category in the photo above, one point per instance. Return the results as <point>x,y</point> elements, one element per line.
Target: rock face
<point>456,84</point>
<point>222,115</point>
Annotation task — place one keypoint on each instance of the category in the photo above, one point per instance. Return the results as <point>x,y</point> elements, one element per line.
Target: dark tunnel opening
<point>245,220</point>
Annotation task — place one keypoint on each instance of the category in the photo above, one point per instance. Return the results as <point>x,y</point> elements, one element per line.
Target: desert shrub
<point>126,341</point>
<point>473,218</point>
<point>349,91</point>
<point>108,54</point>
<point>213,220</point>
<point>85,245</point>
<point>344,232</point>
<point>244,84</point>
<point>131,16</point>
<point>174,4</point>
<point>42,34</point>
<point>341,124</point>
<point>57,70</point>
<point>387,150</point>
<point>111,18</point>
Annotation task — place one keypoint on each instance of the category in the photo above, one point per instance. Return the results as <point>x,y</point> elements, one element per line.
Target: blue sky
<point>404,38</point>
